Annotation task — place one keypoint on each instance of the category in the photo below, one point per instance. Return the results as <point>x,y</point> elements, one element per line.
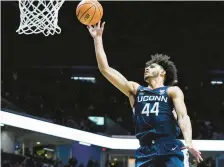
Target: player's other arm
<point>112,75</point>
<point>183,119</point>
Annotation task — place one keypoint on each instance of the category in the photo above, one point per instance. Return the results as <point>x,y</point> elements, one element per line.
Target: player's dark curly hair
<point>168,66</point>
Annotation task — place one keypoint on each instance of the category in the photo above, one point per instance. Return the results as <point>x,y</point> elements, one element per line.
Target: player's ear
<point>163,73</point>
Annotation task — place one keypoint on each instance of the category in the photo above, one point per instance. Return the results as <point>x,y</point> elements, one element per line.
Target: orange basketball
<point>89,12</point>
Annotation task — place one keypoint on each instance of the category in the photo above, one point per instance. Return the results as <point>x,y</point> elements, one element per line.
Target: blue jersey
<point>153,114</point>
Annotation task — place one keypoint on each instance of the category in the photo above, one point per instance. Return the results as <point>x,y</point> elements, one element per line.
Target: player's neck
<point>156,83</point>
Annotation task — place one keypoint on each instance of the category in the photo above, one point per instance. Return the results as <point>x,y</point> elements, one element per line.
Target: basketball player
<point>156,127</point>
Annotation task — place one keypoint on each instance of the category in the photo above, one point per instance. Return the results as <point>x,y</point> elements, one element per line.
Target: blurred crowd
<point>13,160</point>
<point>69,103</point>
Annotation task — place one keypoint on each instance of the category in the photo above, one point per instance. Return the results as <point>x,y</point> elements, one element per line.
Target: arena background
<point>55,79</point>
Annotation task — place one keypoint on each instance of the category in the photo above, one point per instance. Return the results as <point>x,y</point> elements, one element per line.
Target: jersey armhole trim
<point>139,87</point>
<point>135,96</point>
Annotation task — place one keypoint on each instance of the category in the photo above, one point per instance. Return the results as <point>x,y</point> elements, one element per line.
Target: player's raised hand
<point>195,153</point>
<point>96,30</point>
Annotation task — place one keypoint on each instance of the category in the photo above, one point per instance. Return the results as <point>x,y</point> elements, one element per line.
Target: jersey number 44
<point>147,109</point>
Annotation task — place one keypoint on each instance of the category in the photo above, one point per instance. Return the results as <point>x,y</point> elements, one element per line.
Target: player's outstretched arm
<point>112,75</point>
<point>183,120</point>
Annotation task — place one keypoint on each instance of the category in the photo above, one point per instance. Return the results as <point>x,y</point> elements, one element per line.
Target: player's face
<point>152,71</point>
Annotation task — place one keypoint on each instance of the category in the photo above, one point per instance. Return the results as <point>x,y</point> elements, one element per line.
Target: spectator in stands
<point>72,162</point>
<point>90,162</point>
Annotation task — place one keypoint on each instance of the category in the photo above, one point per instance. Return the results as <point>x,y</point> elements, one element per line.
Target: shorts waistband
<point>150,141</point>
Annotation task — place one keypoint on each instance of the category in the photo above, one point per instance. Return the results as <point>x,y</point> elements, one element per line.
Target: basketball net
<point>39,16</point>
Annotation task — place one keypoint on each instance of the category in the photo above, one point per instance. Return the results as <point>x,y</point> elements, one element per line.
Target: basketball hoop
<point>39,16</point>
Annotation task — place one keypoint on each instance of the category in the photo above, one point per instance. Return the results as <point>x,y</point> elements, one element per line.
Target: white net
<point>39,16</point>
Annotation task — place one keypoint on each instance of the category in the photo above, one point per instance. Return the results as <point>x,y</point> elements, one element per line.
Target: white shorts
<point>186,158</point>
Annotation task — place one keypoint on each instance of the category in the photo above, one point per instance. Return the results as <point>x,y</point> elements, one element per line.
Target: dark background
<point>192,33</point>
